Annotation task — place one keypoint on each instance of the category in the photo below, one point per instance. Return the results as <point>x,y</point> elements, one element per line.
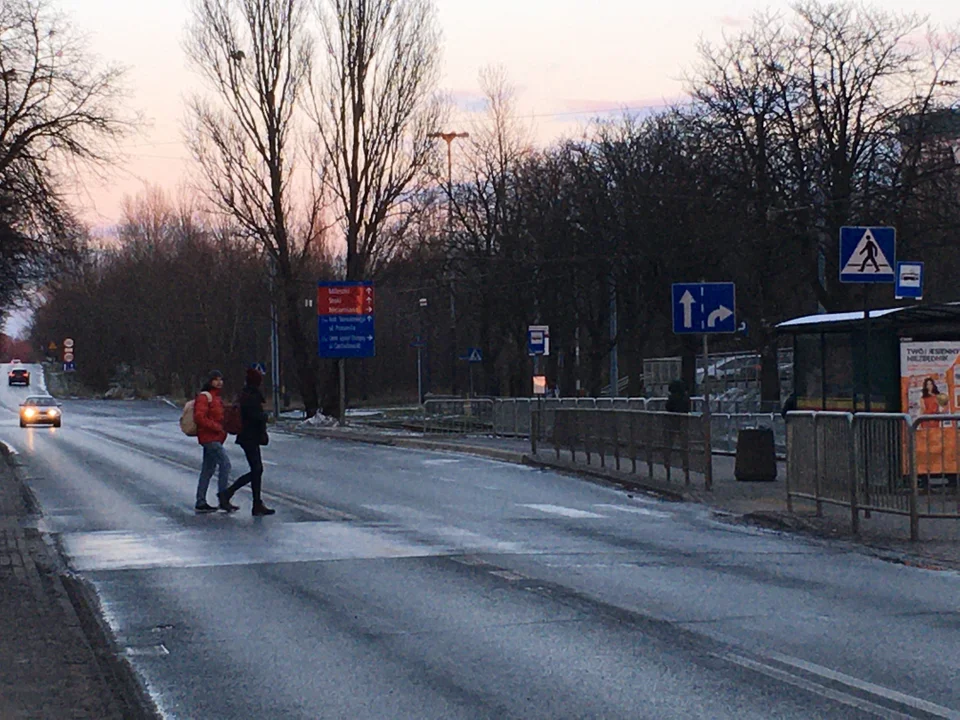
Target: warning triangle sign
<point>867,258</point>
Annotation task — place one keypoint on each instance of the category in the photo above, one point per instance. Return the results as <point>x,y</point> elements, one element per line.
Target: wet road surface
<point>406,584</point>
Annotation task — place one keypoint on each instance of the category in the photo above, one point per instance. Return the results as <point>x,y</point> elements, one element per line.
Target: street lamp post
<point>423,304</point>
<point>448,138</point>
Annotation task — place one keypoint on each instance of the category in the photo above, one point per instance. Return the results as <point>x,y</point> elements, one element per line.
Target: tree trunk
<point>306,370</point>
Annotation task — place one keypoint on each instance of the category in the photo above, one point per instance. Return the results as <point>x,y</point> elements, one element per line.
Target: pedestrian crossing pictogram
<point>867,254</point>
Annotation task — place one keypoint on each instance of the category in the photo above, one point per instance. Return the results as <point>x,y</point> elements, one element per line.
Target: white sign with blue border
<point>704,308</point>
<point>909,281</point>
<point>538,340</point>
<point>868,254</point>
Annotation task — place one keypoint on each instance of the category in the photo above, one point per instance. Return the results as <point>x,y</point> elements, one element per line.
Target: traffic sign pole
<point>707,423</point>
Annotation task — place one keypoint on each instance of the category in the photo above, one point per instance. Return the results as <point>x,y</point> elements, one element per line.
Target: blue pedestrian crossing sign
<point>868,254</point>
<point>474,355</point>
<point>704,308</point>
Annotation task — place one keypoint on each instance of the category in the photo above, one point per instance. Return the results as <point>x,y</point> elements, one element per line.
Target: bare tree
<point>58,107</point>
<point>256,57</point>
<point>374,105</point>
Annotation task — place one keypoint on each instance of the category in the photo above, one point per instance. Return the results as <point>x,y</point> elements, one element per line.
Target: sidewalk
<point>756,503</point>
<point>55,660</point>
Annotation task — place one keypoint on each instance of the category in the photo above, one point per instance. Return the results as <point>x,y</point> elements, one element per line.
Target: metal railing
<point>458,416</point>
<point>511,417</point>
<point>671,440</point>
<point>875,462</point>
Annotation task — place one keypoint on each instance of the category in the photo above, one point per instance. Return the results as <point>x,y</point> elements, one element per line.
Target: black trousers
<point>255,475</point>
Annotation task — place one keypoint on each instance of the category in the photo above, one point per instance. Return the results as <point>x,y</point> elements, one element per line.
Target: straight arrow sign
<point>687,302</point>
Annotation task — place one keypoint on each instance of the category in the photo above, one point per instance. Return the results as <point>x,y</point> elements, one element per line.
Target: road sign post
<point>705,308</point>
<point>868,255</point>
<point>345,318</point>
<point>538,345</point>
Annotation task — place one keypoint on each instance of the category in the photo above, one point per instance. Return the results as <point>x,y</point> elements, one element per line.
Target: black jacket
<point>253,419</point>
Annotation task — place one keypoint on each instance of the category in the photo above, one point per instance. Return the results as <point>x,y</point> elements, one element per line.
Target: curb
<point>126,697</point>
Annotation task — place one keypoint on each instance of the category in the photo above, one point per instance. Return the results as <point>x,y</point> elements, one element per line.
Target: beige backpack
<point>187,424</point>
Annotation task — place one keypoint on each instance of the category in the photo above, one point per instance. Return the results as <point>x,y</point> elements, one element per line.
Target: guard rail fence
<point>875,462</point>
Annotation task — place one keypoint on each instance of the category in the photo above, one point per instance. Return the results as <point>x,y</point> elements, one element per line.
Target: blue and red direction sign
<point>704,308</point>
<point>868,254</point>
<point>345,313</point>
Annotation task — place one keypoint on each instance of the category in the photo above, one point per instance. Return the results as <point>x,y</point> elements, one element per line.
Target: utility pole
<point>449,137</point>
<point>614,360</point>
<point>274,341</point>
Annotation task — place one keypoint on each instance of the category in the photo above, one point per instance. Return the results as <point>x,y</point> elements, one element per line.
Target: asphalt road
<point>395,583</point>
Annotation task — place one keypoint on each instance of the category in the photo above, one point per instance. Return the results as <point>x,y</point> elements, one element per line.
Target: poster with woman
<point>929,385</point>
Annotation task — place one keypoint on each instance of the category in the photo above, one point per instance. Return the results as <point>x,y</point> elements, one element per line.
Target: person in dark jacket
<point>208,415</point>
<point>253,434</point>
<point>678,401</point>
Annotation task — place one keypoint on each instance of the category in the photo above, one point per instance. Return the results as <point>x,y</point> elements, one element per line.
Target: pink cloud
<point>732,21</point>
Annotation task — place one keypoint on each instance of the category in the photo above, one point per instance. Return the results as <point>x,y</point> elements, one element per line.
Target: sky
<point>568,59</point>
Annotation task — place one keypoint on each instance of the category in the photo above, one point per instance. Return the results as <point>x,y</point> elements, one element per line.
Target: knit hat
<point>254,378</point>
<point>215,374</point>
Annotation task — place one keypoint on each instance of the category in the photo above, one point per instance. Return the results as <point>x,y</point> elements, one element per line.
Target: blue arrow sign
<point>868,254</point>
<point>346,336</point>
<point>909,280</point>
<point>704,308</point>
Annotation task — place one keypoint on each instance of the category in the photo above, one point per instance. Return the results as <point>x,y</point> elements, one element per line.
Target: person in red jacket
<point>208,415</point>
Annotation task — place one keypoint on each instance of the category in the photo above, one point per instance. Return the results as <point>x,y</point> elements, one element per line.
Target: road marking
<point>150,650</point>
<point>560,510</point>
<point>840,696</point>
<point>634,510</point>
<point>879,690</point>
<point>508,575</point>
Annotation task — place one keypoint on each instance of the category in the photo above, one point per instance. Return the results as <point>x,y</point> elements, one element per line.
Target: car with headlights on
<point>40,410</point>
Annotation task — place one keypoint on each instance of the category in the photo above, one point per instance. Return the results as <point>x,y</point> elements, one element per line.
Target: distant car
<point>19,376</point>
<point>40,410</point>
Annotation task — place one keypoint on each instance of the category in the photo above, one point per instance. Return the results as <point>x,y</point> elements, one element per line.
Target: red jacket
<point>208,415</point>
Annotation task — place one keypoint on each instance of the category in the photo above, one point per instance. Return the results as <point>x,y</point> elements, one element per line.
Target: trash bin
<point>756,455</point>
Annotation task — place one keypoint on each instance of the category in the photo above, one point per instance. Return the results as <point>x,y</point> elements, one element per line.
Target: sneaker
<point>225,503</point>
<point>262,509</point>
<point>203,507</point>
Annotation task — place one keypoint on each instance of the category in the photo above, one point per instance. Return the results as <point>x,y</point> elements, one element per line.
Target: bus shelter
<point>907,362</point>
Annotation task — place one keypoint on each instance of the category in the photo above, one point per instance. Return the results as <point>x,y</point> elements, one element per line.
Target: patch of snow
<point>38,381</point>
<point>321,420</point>
<point>364,413</point>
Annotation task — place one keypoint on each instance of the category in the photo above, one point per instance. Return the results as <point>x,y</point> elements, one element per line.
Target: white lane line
<point>560,510</point>
<point>634,510</point>
<point>797,681</point>
<point>878,690</point>
<point>443,461</point>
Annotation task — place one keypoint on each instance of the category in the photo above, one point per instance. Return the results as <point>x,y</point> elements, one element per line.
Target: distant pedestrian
<point>208,415</point>
<point>678,400</point>
<point>252,436</point>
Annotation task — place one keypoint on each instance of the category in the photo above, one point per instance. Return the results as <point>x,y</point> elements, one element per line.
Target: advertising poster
<point>930,385</point>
